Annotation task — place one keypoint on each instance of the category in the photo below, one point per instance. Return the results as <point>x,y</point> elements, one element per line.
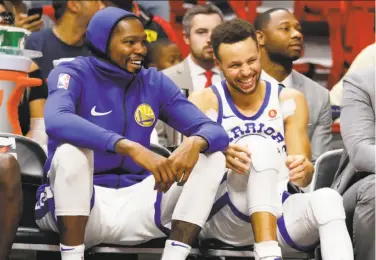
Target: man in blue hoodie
<point>99,116</point>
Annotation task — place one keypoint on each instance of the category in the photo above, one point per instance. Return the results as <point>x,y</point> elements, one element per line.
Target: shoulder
<point>290,93</point>
<point>35,40</point>
<point>363,79</point>
<point>205,99</point>
<point>76,68</point>
<point>315,94</point>
<point>174,70</point>
<point>310,84</point>
<point>156,78</point>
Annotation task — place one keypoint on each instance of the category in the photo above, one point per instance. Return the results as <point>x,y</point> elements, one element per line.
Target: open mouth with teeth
<point>246,84</point>
<point>135,64</point>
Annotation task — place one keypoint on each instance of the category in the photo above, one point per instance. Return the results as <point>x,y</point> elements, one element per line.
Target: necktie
<point>208,75</point>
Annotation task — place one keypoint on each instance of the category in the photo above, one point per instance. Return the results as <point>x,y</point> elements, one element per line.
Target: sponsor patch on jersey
<point>63,81</point>
<point>144,115</point>
<point>272,113</point>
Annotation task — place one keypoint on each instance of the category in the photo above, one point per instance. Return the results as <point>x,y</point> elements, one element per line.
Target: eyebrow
<point>288,23</point>
<point>128,37</point>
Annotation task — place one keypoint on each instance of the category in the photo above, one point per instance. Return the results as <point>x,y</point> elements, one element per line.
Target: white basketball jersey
<point>267,122</point>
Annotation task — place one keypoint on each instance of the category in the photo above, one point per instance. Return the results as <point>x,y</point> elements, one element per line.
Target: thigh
<point>297,228</point>
<point>140,213</point>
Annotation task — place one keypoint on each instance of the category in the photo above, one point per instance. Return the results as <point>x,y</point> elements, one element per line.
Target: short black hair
<point>262,20</point>
<point>60,6</point>
<point>233,31</point>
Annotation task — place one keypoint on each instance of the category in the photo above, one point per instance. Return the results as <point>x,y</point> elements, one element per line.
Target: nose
<point>296,34</point>
<point>245,71</point>
<point>208,37</point>
<point>140,49</point>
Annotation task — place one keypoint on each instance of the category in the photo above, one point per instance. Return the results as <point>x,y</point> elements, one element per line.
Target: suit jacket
<point>358,118</point>
<point>180,74</point>
<point>320,113</point>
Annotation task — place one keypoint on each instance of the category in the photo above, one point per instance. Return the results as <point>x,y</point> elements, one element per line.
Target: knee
<point>327,205</point>
<point>71,160</point>
<point>9,170</point>
<point>265,153</point>
<point>367,191</point>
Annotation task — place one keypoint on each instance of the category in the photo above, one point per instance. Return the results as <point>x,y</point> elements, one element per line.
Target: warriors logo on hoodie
<point>144,115</point>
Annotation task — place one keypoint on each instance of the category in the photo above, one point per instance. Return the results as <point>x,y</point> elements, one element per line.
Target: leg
<point>11,200</point>
<point>71,179</point>
<point>359,202</point>
<point>194,205</point>
<point>312,216</point>
<point>264,210</point>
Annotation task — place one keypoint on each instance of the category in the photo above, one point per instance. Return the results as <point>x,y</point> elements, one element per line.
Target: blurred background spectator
<point>163,54</point>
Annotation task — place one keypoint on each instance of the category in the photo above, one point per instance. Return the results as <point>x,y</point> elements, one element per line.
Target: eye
<point>129,42</point>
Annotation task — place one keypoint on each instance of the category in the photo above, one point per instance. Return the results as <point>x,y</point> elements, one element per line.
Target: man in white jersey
<point>271,122</point>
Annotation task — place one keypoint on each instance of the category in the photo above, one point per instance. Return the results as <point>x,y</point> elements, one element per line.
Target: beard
<point>202,55</point>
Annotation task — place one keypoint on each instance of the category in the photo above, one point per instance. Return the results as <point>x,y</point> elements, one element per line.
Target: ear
<point>186,38</point>
<point>73,6</point>
<point>260,38</point>
<point>217,63</point>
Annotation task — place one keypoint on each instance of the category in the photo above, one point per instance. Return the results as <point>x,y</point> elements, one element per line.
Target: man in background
<point>356,182</point>
<point>281,41</point>
<point>197,71</point>
<point>65,40</point>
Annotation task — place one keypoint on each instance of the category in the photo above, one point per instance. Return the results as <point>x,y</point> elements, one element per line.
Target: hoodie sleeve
<point>62,122</point>
<point>185,117</point>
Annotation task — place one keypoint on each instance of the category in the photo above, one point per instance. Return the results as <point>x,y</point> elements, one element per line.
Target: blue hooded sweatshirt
<point>93,103</point>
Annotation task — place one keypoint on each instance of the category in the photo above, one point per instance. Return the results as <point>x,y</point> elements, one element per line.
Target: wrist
<point>200,143</point>
<point>126,147</point>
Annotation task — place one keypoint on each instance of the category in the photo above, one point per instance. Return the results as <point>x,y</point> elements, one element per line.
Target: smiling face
<point>240,64</point>
<point>282,36</point>
<point>127,45</point>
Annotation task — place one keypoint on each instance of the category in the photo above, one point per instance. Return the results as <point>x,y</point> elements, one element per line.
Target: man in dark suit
<point>281,41</point>
<point>355,178</point>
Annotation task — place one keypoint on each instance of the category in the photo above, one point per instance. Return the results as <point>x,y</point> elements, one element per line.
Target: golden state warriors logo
<point>144,115</point>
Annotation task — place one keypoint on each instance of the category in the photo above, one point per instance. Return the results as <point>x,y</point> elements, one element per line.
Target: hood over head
<point>101,27</point>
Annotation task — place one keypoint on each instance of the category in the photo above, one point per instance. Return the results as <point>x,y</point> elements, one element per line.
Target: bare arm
<point>296,138</point>
<point>206,101</point>
<point>237,157</point>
